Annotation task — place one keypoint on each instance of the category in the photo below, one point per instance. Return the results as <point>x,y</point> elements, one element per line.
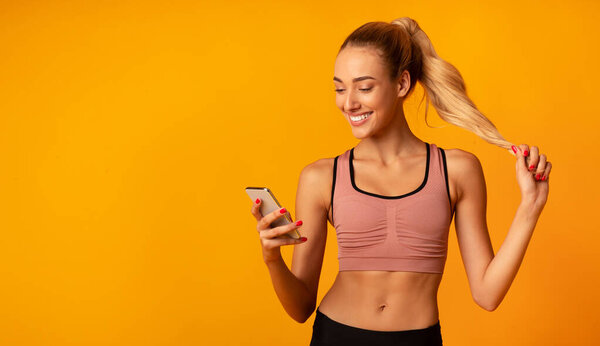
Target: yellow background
<point>129,130</point>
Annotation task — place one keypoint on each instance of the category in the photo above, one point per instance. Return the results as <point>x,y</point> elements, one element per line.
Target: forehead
<point>352,62</point>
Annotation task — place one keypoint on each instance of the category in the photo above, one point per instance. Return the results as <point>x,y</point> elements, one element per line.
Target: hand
<point>270,244</point>
<point>533,171</point>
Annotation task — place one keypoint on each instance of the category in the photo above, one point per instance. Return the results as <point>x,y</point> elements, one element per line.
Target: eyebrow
<point>357,79</point>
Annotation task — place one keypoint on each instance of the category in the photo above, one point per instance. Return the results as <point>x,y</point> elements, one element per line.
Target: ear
<point>403,83</point>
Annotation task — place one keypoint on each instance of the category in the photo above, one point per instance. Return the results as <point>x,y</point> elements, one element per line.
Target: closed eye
<point>339,90</point>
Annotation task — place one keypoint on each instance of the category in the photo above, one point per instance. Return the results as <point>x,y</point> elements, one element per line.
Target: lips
<point>360,122</point>
<point>367,114</point>
<point>358,114</point>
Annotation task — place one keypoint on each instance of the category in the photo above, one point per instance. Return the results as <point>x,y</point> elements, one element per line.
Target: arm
<point>297,288</point>
<point>291,291</point>
<point>490,276</point>
<point>502,270</point>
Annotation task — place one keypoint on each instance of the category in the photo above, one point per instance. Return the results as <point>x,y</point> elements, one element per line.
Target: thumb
<point>515,151</point>
<point>521,164</point>
<point>510,150</point>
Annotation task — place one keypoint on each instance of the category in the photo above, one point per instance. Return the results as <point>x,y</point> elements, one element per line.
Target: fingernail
<point>531,167</point>
<point>282,211</point>
<point>257,200</point>
<point>514,149</point>
<point>537,176</point>
<point>525,153</point>
<point>303,239</point>
<point>299,223</point>
<point>544,178</point>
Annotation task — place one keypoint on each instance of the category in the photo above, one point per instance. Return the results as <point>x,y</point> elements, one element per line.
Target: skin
<point>382,300</point>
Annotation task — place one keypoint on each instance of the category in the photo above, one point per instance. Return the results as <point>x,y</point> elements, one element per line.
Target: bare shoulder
<point>318,176</point>
<point>460,160</point>
<point>463,166</point>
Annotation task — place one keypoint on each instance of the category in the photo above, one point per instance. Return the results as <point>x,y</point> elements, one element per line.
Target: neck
<point>395,141</point>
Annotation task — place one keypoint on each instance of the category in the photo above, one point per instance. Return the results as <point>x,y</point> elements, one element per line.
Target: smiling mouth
<point>360,117</point>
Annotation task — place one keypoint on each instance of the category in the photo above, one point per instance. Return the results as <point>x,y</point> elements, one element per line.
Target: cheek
<point>385,101</point>
<point>375,101</point>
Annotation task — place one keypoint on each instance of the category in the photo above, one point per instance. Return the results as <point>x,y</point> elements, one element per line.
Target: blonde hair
<point>404,46</point>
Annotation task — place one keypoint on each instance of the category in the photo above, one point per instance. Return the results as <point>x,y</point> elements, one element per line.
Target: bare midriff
<point>383,300</point>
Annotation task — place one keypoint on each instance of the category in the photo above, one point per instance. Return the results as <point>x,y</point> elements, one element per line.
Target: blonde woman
<point>392,198</point>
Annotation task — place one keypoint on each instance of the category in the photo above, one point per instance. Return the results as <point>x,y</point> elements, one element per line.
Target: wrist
<point>527,203</point>
<point>530,207</point>
<point>273,261</point>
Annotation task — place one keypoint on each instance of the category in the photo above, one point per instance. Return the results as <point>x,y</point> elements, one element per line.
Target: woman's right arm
<point>297,288</point>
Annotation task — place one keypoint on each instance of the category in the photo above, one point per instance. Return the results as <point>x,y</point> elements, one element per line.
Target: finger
<point>266,221</point>
<point>524,149</point>
<point>256,209</point>
<point>281,230</point>
<point>519,155</point>
<point>273,243</point>
<point>547,171</point>
<point>512,150</point>
<point>534,158</point>
<point>541,167</point>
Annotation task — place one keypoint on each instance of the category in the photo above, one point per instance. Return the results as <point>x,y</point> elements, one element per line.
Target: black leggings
<point>327,332</point>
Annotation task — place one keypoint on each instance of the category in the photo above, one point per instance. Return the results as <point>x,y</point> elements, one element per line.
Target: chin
<point>361,133</point>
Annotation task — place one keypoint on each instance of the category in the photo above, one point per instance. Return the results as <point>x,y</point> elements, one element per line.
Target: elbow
<point>489,307</point>
<point>486,304</point>
<point>302,318</point>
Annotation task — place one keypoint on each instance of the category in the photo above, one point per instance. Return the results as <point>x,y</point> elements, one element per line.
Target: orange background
<point>130,129</point>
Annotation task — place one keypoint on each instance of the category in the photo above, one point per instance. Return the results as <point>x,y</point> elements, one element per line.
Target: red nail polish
<point>544,178</point>
<point>257,200</point>
<point>299,223</point>
<point>537,176</point>
<point>514,149</point>
<point>303,239</point>
<point>525,153</point>
<point>282,211</point>
<point>531,167</point>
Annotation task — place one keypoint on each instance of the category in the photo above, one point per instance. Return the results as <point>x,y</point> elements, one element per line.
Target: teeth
<point>361,117</point>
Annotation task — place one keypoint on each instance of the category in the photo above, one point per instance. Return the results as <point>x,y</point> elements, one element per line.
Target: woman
<point>392,198</point>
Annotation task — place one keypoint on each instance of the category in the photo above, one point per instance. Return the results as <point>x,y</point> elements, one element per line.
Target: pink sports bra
<point>392,233</point>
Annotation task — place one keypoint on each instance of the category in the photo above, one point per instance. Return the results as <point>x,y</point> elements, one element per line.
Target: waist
<point>383,300</point>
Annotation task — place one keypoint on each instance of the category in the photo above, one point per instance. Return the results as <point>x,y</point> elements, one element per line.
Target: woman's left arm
<point>490,276</point>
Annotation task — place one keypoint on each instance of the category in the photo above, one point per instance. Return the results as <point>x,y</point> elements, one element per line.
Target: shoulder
<point>463,166</point>
<point>318,175</point>
<point>316,171</point>
<point>461,160</point>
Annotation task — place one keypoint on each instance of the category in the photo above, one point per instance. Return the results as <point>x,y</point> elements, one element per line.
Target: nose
<point>351,103</point>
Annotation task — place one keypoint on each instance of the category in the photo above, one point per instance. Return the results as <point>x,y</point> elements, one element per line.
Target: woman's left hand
<point>533,171</point>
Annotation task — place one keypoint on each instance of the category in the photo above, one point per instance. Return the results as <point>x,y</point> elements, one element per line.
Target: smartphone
<point>270,203</point>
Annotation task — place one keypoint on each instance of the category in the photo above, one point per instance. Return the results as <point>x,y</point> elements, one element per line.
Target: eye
<point>340,90</point>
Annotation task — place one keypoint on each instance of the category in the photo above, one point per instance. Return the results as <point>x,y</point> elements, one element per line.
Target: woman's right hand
<point>270,244</point>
